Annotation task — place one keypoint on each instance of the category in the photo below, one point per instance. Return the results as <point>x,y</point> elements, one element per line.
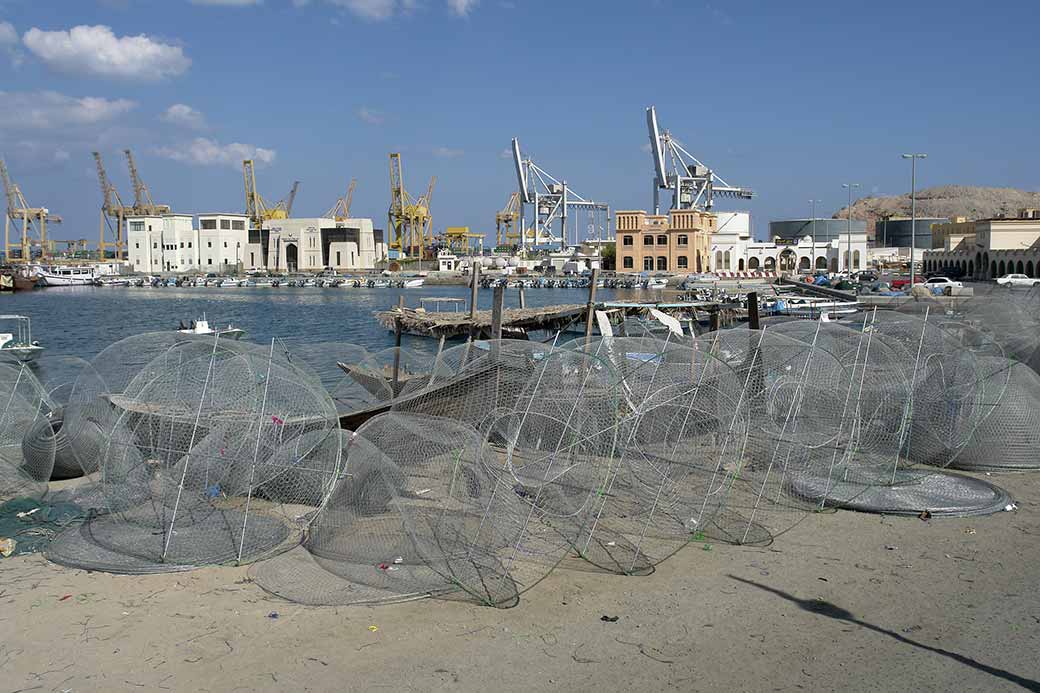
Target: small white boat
<point>69,276</point>
<point>113,281</point>
<point>811,306</point>
<point>202,328</point>
<point>656,284</point>
<point>19,343</point>
<point>413,283</point>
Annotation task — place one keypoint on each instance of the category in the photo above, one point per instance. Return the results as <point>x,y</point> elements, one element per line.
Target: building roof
<point>223,214</point>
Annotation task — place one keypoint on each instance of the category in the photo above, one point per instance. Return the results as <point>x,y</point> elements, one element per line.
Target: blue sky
<point>790,99</point>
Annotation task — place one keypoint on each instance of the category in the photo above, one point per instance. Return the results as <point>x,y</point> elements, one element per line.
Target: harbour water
<point>81,321</point>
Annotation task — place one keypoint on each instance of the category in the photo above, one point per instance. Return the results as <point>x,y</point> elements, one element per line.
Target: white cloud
<point>506,153</point>
<point>370,115</point>
<point>447,152</point>
<point>206,152</point>
<point>96,51</point>
<point>374,10</point>
<point>47,110</point>
<point>8,35</point>
<point>462,7</point>
<point>184,116</point>
<point>226,3</point>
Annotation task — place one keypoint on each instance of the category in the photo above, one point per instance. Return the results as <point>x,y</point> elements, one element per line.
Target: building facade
<point>310,245</point>
<point>673,242</point>
<point>162,243</point>
<point>987,248</point>
<point>222,243</point>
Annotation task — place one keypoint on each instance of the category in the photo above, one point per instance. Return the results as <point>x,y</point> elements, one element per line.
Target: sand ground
<point>844,601</point>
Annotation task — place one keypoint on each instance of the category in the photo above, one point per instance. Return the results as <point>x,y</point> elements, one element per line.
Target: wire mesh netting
<point>24,407</point>
<point>1008,437</point>
<point>209,453</point>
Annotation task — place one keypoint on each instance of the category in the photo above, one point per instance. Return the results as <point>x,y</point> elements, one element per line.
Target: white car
<point>942,282</point>
<point>1010,280</point>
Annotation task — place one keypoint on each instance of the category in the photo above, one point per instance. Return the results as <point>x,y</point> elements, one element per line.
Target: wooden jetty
<point>516,322</point>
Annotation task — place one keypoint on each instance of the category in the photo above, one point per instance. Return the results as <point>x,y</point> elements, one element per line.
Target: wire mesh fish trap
<point>215,447</point>
<point>24,406</point>
<point>324,360</point>
<point>792,397</point>
<point>1008,437</point>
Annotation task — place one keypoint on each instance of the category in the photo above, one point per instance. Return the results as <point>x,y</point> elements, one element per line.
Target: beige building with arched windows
<point>673,242</point>
<point>987,248</point>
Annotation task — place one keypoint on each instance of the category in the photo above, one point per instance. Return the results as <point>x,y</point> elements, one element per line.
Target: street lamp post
<point>848,233</point>
<point>913,208</point>
<point>812,262</point>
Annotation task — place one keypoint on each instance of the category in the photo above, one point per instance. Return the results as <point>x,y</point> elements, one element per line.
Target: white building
<point>166,243</point>
<point>311,245</point>
<point>733,250</point>
<point>222,243</point>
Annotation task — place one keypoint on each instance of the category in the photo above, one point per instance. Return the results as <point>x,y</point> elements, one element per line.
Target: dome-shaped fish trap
<point>792,397</point>
<point>210,454</point>
<point>26,460</point>
<point>1008,437</point>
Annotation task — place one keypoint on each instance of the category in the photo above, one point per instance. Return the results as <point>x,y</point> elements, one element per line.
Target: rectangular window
<point>662,240</point>
<point>182,244</point>
<point>682,262</point>
<point>225,224</point>
<point>648,264</point>
<point>626,240</point>
<point>252,259</point>
<point>209,224</point>
<point>137,245</point>
<point>137,226</point>
<point>189,244</point>
<point>337,258</point>
<point>648,240</point>
<point>209,244</point>
<point>662,263</point>
<point>225,244</point>
<point>627,262</point>
<point>155,246</point>
<point>682,240</point>
<point>209,261</point>
<point>238,225</point>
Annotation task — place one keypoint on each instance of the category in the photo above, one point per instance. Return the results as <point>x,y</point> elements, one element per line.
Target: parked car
<point>942,282</point>
<point>1010,280</point>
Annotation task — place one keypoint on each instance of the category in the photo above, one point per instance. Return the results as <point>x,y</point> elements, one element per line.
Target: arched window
<point>752,263</point>
<point>821,262</point>
<point>682,239</point>
<point>718,259</point>
<point>682,262</point>
<point>770,264</point>
<point>648,240</point>
<point>626,240</point>
<point>803,264</point>
<point>855,259</point>
<point>971,268</point>
<point>627,262</point>
<point>993,270</point>
<point>740,264</point>
<point>1018,267</point>
<point>662,240</point>
<point>725,260</point>
<point>648,264</point>
<point>1001,271</point>
<point>834,264</point>
<point>662,264</point>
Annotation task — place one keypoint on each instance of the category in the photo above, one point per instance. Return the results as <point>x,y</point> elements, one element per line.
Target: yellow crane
<point>112,207</point>
<point>257,209</point>
<point>341,210</point>
<point>34,220</point>
<point>143,204</point>
<point>505,219</point>
<point>409,218</point>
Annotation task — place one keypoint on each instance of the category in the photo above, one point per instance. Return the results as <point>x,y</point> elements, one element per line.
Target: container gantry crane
<point>113,214</point>
<point>257,209</point>
<point>33,220</point>
<point>505,219</point>
<point>143,204</point>
<point>409,218</point>
<point>341,210</point>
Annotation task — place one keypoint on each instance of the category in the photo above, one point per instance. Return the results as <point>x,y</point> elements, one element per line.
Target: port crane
<point>257,209</point>
<point>408,217</point>
<point>33,220</point>
<point>693,185</point>
<point>341,210</point>
<point>113,213</point>
<point>505,219</point>
<point>143,204</point>
<point>552,200</point>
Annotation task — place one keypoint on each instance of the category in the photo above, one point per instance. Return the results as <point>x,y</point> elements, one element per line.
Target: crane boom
<point>10,191</point>
<point>142,198</point>
<point>291,199</point>
<point>341,210</point>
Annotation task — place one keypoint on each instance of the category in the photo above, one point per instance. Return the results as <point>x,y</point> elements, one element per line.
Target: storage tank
<point>895,233</point>
<point>826,230</point>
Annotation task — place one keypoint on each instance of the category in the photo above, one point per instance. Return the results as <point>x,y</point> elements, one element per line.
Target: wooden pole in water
<point>473,290</point>
<point>713,320</point>
<point>497,306</point>
<point>397,351</point>
<point>752,310</point>
<point>523,302</point>
<point>590,314</point>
